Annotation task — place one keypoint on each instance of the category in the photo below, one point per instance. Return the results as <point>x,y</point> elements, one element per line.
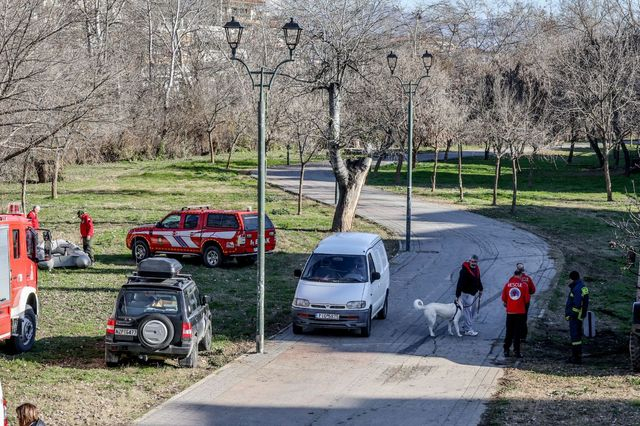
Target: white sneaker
<point>470,333</point>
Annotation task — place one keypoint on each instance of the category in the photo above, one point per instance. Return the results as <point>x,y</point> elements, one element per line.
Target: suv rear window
<point>251,222</point>
<point>217,220</point>
<point>138,302</point>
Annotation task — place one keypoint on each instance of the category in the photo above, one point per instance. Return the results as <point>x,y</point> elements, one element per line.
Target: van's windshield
<point>336,268</point>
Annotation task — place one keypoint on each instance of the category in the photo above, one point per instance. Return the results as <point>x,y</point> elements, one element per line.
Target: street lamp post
<point>261,79</point>
<point>409,88</point>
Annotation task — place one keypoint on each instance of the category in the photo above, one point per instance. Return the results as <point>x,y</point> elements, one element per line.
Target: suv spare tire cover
<point>155,331</point>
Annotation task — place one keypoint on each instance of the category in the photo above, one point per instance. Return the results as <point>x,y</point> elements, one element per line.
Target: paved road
<point>399,375</point>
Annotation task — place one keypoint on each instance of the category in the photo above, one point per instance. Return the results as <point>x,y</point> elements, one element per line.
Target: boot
<point>576,355</point>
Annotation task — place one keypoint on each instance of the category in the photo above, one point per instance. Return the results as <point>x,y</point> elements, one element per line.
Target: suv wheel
<point>140,250</point>
<point>212,257</point>
<point>111,359</point>
<point>155,332</point>
<point>27,337</point>
<point>205,343</point>
<point>191,360</point>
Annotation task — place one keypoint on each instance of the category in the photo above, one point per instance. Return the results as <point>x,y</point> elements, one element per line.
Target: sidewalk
<point>399,374</point>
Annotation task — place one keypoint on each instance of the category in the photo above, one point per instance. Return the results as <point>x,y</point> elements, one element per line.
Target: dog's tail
<point>418,304</point>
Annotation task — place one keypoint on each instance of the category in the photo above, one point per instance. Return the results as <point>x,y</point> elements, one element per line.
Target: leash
<point>472,302</point>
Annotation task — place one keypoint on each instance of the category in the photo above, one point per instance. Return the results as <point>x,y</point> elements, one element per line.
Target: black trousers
<point>515,327</point>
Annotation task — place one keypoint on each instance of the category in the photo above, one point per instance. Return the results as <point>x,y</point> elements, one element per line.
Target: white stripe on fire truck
<point>225,235</point>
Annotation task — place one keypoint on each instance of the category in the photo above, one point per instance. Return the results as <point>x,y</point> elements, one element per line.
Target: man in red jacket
<point>33,216</point>
<point>86,231</point>
<point>515,296</point>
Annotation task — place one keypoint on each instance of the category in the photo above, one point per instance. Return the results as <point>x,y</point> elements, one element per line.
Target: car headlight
<point>301,303</point>
<point>356,304</point>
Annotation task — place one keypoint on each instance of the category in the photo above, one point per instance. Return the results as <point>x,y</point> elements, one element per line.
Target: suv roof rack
<point>196,208</point>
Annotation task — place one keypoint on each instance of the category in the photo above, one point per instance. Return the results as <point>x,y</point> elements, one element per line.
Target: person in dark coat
<point>575,311</point>
<point>468,292</point>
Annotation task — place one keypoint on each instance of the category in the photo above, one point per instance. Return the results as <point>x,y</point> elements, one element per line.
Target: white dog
<point>447,311</point>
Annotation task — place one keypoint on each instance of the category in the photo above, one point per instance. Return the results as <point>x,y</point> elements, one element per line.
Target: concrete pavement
<point>399,374</point>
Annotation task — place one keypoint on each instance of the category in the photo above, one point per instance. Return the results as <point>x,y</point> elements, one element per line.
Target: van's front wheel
<point>366,330</point>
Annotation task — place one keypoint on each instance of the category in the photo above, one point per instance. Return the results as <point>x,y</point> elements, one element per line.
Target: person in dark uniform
<point>575,311</point>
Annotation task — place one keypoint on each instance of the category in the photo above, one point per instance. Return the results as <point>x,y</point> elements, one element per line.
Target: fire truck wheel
<point>212,257</point>
<point>140,250</point>
<point>634,351</point>
<point>27,337</point>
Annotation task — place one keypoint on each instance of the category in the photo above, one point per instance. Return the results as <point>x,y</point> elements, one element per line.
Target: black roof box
<point>159,267</point>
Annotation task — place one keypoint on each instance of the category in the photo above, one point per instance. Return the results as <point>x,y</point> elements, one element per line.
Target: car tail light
<point>187,332</point>
<point>6,418</point>
<point>111,326</point>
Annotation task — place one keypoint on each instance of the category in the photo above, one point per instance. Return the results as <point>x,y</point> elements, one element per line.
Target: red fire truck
<point>19,306</point>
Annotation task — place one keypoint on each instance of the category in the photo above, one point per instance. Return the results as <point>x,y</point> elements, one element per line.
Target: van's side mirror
<point>205,299</point>
<point>297,273</point>
<point>375,276</point>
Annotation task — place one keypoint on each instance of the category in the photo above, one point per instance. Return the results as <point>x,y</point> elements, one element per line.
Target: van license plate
<point>126,331</point>
<point>328,316</point>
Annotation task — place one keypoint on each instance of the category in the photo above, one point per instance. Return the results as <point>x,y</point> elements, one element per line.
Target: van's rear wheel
<point>366,330</point>
<point>382,314</point>
<point>191,360</point>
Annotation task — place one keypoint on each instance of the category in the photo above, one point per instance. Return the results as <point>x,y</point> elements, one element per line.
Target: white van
<point>344,284</point>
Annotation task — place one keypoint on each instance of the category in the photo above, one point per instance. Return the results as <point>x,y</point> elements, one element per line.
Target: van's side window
<point>372,266</point>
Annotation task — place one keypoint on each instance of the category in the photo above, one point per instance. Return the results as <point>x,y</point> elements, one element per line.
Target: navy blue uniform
<point>575,311</point>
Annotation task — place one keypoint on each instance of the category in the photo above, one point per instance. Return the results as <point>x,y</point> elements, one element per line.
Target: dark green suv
<point>159,314</point>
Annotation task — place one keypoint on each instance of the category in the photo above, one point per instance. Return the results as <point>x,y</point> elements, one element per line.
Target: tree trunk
<point>594,145</point>
<point>514,188</point>
<point>496,180</point>
<point>571,149</point>
<point>607,175</point>
<point>233,144</point>
<point>54,178</point>
<point>25,174</point>
<point>531,174</point>
<point>212,150</point>
<point>435,172</point>
<point>447,149</point>
<point>350,174</point>
<point>378,162</point>
<point>627,159</point>
<point>399,169</point>
<point>460,187</point>
<point>616,156</point>
<point>300,184</point>
<point>289,155</point>
<point>486,151</point>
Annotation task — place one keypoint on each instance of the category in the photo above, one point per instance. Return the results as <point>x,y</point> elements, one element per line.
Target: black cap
<point>574,275</point>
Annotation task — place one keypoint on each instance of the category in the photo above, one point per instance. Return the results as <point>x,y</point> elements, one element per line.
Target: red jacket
<point>527,279</point>
<point>34,219</point>
<point>86,226</point>
<point>515,295</point>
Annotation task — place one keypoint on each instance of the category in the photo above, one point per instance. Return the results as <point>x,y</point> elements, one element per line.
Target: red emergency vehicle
<point>19,306</point>
<point>212,234</point>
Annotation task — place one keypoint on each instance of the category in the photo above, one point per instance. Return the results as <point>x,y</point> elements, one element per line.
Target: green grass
<point>65,367</point>
<point>566,205</point>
